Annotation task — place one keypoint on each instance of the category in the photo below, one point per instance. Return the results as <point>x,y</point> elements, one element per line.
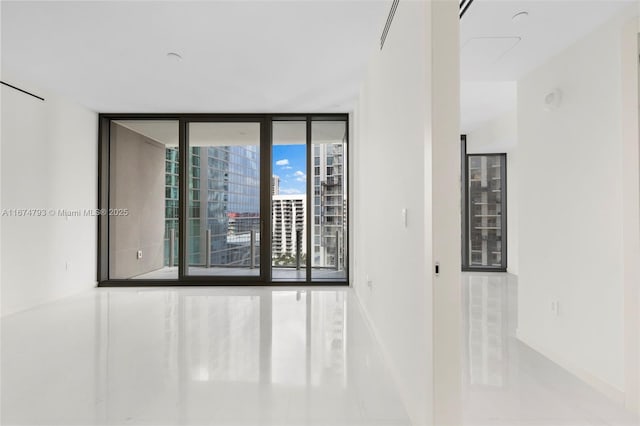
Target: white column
<point>445,204</point>
<point>631,211</point>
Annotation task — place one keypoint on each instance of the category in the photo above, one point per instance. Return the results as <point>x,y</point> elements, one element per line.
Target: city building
<point>329,204</point>
<point>275,185</point>
<point>233,225</point>
<point>225,202</point>
<point>289,237</point>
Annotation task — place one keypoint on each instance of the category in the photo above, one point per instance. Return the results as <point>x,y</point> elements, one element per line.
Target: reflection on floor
<point>317,274</point>
<point>265,356</point>
<point>506,382</point>
<point>203,356</point>
<point>279,274</point>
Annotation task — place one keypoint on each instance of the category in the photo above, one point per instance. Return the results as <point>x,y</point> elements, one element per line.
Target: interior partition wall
<point>223,199</point>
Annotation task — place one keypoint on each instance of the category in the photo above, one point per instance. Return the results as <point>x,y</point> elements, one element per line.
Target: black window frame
<point>266,120</point>
<point>464,179</point>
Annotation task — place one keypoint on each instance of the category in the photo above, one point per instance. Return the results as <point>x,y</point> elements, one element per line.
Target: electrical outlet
<point>369,282</point>
<point>67,266</point>
<point>139,255</point>
<point>555,307</point>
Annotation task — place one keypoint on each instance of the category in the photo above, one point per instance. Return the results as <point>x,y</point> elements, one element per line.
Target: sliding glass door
<point>289,201</point>
<point>309,200</point>
<point>142,209</point>
<point>223,219</point>
<point>211,199</point>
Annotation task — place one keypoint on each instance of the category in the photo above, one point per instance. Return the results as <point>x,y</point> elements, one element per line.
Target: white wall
<point>500,135</point>
<point>137,183</point>
<point>571,210</point>
<point>634,317</point>
<point>49,161</point>
<point>402,161</point>
<point>631,209</point>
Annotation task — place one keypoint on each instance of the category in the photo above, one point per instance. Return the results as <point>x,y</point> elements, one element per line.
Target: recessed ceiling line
<point>22,90</point>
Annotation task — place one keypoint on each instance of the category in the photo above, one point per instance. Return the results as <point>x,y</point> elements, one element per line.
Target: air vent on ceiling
<point>464,5</point>
<point>392,12</point>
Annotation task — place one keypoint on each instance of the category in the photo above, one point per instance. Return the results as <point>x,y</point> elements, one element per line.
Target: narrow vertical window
<point>486,212</point>
<point>329,206</point>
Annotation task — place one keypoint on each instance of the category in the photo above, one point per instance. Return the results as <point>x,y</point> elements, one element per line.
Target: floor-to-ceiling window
<point>484,226</point>
<point>142,209</point>
<point>289,200</point>
<point>329,202</point>
<point>223,199</point>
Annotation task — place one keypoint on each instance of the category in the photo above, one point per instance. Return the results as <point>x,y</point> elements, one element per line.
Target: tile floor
<point>505,382</point>
<point>204,356</point>
<point>265,356</point>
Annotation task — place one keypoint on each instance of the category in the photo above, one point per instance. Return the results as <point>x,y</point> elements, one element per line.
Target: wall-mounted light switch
<point>139,254</point>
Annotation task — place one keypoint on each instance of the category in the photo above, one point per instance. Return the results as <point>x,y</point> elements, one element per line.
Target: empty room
<point>320,212</point>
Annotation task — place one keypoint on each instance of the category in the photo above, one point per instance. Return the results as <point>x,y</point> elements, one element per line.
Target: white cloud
<point>283,162</point>
<point>300,176</point>
<point>287,167</point>
<point>290,191</point>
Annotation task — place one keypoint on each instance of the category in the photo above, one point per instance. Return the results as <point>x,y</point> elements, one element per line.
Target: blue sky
<point>290,163</point>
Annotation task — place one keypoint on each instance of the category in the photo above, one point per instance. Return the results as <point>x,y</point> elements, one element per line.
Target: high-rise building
<point>288,214</point>
<point>329,206</point>
<point>171,205</point>
<point>226,203</point>
<point>228,218</point>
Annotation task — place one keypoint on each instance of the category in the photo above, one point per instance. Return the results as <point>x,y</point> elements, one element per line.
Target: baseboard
<point>27,307</point>
<point>598,384</point>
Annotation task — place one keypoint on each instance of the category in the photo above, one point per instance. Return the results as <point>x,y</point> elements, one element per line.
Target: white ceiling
<point>495,50</point>
<point>238,133</point>
<point>163,131</point>
<point>224,134</point>
<point>266,56</point>
<point>238,56</point>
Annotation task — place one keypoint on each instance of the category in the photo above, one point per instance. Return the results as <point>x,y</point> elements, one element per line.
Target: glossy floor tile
<point>265,356</point>
<point>245,356</point>
<point>507,383</point>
